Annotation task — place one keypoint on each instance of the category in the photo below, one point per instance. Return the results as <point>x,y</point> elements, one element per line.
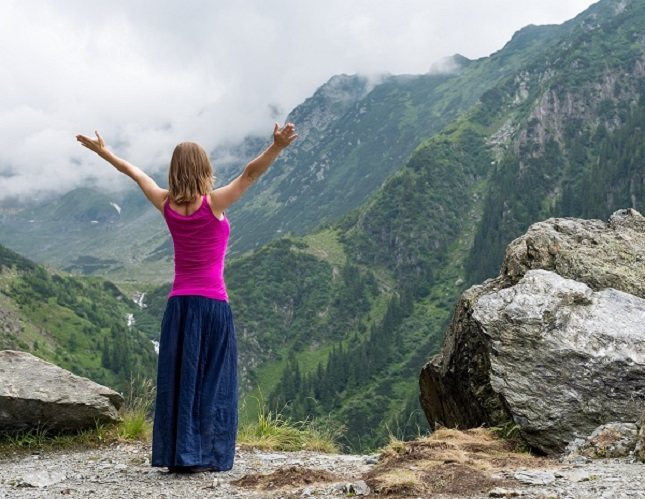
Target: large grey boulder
<point>556,352</point>
<point>37,394</point>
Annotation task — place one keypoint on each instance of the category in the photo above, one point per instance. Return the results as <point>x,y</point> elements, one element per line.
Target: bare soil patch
<point>292,476</point>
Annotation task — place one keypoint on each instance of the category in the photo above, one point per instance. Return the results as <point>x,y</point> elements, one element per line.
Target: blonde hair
<point>190,174</point>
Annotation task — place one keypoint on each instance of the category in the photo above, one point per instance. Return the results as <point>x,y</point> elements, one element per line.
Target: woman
<point>196,419</point>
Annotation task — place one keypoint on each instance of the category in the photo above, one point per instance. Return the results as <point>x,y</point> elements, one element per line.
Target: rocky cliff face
<point>556,342</point>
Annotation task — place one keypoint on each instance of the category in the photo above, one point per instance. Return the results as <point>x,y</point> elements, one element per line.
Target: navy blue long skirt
<point>196,419</point>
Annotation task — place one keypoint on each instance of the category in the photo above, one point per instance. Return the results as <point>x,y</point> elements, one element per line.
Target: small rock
<point>611,440</point>
<point>271,456</point>
<point>573,447</point>
<point>580,460</point>
<point>42,478</point>
<point>373,459</point>
<point>307,491</point>
<point>578,476</point>
<point>359,488</point>
<point>121,467</point>
<point>534,477</point>
<point>500,492</point>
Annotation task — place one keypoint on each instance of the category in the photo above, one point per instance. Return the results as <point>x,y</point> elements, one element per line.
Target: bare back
<point>188,209</point>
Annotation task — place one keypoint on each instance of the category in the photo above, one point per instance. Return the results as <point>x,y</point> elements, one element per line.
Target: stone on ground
<point>38,395</point>
<point>555,345</point>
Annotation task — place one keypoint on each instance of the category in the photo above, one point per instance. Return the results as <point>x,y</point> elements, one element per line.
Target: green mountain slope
<point>80,324</point>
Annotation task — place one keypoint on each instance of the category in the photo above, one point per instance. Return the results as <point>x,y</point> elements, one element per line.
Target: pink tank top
<point>200,240</point>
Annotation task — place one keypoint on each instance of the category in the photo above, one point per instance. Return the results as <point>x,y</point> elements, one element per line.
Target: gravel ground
<point>603,478</point>
<point>123,471</point>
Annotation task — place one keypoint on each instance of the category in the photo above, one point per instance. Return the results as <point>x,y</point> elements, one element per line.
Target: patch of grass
<point>135,426</point>
<point>273,431</point>
<point>404,430</point>
<point>139,400</point>
<point>40,440</point>
<point>325,245</point>
<point>510,432</point>
<point>399,481</point>
<point>448,461</point>
<point>395,445</point>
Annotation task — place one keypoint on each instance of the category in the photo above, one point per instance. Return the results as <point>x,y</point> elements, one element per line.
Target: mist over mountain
<point>353,133</point>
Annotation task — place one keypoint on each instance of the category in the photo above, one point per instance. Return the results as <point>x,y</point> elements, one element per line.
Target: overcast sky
<point>149,74</point>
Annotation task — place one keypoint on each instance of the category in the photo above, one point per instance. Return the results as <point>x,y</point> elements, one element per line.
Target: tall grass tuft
<point>139,399</point>
<point>401,431</point>
<point>273,431</point>
<point>510,432</point>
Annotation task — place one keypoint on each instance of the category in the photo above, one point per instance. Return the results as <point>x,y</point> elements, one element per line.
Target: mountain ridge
<point>82,324</point>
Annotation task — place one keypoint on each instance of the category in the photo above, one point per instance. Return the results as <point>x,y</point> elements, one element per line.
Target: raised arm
<point>155,194</point>
<point>223,197</point>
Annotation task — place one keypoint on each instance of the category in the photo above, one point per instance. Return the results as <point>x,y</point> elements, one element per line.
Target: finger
<point>100,139</point>
<point>276,127</point>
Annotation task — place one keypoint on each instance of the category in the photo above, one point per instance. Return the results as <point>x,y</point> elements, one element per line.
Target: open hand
<point>285,136</point>
<point>97,145</point>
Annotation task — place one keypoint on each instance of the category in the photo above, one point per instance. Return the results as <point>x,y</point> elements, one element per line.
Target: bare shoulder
<point>212,201</point>
<point>157,197</point>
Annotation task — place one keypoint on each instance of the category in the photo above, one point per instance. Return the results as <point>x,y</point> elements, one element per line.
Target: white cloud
<point>151,74</point>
